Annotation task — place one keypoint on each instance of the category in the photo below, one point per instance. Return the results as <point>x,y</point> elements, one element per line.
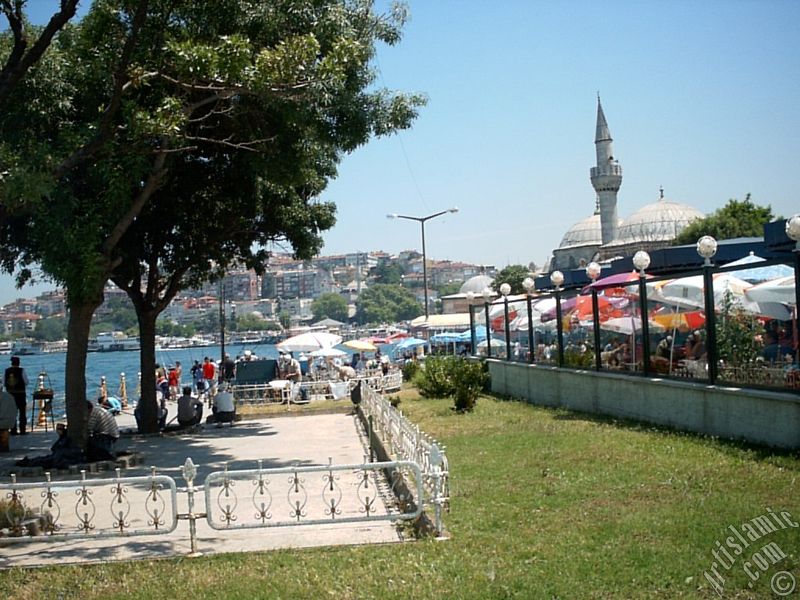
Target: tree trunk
<point>80,320</point>
<point>149,411</point>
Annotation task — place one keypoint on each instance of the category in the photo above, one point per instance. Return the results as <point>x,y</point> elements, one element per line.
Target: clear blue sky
<point>701,97</point>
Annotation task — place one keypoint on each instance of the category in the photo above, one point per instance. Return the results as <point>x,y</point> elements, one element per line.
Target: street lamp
<point>505,289</point>
<point>487,295</point>
<point>557,279</point>
<point>593,272</point>
<point>641,260</point>
<point>529,284</point>
<point>421,221</point>
<point>707,248</point>
<point>470,300</point>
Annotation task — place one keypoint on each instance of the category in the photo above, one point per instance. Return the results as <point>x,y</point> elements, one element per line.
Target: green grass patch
<point>545,504</point>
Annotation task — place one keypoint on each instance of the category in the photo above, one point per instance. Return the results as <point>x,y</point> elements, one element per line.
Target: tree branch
<point>20,61</point>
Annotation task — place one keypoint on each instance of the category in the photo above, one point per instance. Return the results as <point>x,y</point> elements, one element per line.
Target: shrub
<point>469,378</point>
<point>410,369</point>
<point>435,379</point>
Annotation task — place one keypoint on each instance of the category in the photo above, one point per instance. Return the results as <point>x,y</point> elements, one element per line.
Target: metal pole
<point>596,326</point>
<point>424,269</point>
<point>471,329</point>
<point>645,324</point>
<point>222,321</point>
<point>797,301</point>
<point>488,333</point>
<point>559,329</point>
<point>508,329</point>
<point>530,330</point>
<point>711,325</point>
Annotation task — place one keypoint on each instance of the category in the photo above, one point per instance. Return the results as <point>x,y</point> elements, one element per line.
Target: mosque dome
<point>660,221</point>
<point>584,233</point>
<point>476,284</point>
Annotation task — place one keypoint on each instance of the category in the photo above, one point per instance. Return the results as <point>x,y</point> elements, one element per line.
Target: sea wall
<point>763,417</point>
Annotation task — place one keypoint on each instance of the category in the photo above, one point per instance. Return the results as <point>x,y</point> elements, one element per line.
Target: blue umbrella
<point>755,274</point>
<point>466,336</point>
<point>409,343</point>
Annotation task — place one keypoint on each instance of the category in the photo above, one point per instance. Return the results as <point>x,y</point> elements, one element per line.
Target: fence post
<point>436,468</point>
<point>189,471</point>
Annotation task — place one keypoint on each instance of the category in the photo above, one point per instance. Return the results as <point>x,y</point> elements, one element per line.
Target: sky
<point>702,98</point>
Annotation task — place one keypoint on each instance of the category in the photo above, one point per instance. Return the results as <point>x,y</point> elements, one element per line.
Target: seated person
<point>111,404</point>
<point>190,409</point>
<point>664,347</point>
<point>774,352</point>
<point>162,414</point>
<point>695,347</point>
<point>103,433</point>
<point>224,408</point>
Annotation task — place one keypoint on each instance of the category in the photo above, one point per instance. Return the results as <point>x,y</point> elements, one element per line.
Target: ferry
<point>25,347</point>
<point>115,341</point>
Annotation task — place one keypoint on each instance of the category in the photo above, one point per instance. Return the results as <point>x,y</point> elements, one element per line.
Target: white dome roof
<point>660,221</point>
<point>476,284</point>
<point>584,233</point>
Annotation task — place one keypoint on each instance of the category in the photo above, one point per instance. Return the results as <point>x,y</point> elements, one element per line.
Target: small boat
<point>25,347</point>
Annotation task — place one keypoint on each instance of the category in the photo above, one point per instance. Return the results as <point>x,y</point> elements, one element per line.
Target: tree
<point>22,56</point>
<point>383,303</point>
<point>513,275</point>
<point>735,219</point>
<point>50,329</point>
<point>140,91</point>
<point>387,273</point>
<point>251,322</point>
<point>330,306</point>
<point>285,319</point>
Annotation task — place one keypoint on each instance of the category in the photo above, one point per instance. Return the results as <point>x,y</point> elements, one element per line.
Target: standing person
<point>228,368</point>
<point>15,381</point>
<point>172,379</point>
<point>210,375</point>
<point>197,377</point>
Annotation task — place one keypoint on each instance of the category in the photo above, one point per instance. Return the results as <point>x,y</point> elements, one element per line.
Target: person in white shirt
<point>224,408</point>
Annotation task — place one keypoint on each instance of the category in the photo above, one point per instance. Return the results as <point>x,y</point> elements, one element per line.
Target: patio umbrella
<point>308,342</point>
<point>618,280</point>
<point>689,290</point>
<point>684,321</point>
<point>629,325</point>
<point>755,274</point>
<point>360,345</point>
<point>777,290</point>
<point>327,352</point>
<point>410,343</point>
<point>495,344</point>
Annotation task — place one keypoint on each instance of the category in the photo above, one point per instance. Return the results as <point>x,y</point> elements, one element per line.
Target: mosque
<point>603,236</point>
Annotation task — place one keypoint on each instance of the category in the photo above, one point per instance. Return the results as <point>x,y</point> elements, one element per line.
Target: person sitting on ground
<point>111,404</point>
<point>103,433</point>
<point>190,409</point>
<point>224,408</point>
<point>696,349</point>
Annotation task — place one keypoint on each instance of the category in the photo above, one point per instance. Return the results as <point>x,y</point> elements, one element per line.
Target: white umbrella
<point>327,352</point>
<point>308,342</point>
<point>778,290</point>
<point>755,274</point>
<point>689,290</point>
<point>627,325</point>
<point>495,344</point>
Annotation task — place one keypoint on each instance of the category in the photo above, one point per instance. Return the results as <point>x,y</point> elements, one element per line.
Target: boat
<point>55,346</point>
<point>115,341</point>
<point>25,347</point>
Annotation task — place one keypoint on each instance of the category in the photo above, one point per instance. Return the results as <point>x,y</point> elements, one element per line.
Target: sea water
<point>112,364</point>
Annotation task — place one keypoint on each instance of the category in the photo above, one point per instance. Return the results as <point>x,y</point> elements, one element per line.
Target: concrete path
<point>279,442</point>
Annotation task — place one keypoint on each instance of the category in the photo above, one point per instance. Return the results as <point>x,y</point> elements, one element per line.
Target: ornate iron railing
<point>311,495</point>
<point>265,393</point>
<point>91,508</point>
<point>405,441</point>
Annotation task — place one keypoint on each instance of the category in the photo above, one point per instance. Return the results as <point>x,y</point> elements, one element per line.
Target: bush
<point>469,378</point>
<point>410,369</point>
<point>445,377</point>
<point>435,379</point>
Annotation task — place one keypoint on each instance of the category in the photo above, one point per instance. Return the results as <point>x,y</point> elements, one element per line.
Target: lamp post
<point>505,289</point>
<point>793,231</point>
<point>470,300</point>
<point>593,272</point>
<point>557,279</point>
<point>707,248</point>
<point>487,295</point>
<point>641,260</point>
<point>421,221</point>
<point>529,285</point>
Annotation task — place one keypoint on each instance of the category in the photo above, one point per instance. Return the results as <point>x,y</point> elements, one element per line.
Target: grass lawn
<point>546,504</point>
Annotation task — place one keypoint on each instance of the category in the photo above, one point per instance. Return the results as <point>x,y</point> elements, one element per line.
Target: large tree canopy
<point>738,218</point>
<point>513,275</point>
<point>331,306</point>
<point>385,303</point>
<point>116,147</point>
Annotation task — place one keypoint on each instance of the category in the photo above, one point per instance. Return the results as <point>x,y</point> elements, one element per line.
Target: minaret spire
<point>606,177</point>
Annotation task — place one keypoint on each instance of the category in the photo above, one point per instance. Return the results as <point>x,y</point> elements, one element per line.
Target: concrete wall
<point>763,417</point>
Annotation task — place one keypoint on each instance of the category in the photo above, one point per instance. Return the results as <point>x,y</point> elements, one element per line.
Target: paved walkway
<point>279,442</point>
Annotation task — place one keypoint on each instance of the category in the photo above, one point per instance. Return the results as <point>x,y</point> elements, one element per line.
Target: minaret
<point>606,177</point>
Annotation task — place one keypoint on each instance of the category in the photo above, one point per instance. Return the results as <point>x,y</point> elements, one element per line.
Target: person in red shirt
<point>210,375</point>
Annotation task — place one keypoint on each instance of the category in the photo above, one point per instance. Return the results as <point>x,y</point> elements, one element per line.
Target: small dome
<point>476,284</point>
<point>584,233</point>
<point>660,221</point>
